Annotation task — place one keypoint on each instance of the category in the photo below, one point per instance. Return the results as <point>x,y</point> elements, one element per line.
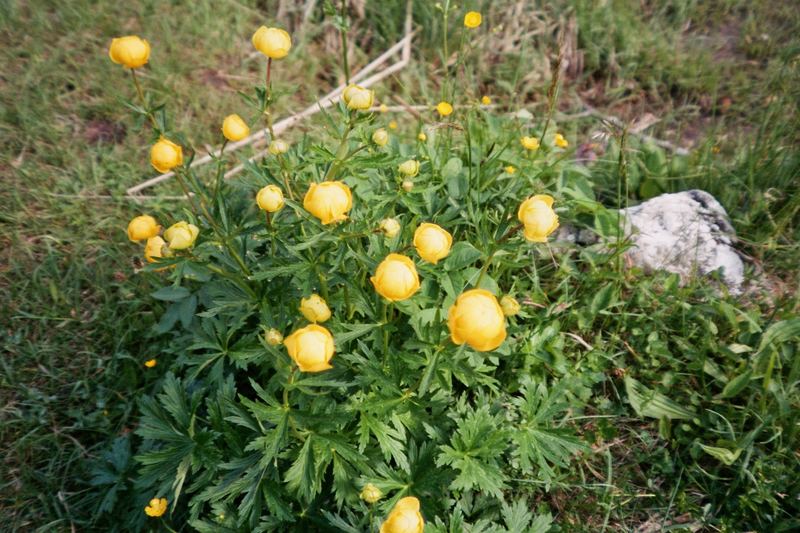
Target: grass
<point>77,321</point>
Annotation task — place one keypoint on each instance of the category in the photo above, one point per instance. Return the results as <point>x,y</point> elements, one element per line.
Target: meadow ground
<point>722,79</point>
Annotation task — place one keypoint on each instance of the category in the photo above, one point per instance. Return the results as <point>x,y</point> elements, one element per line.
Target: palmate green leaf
<point>301,476</point>
<point>390,439</point>
<point>649,403</point>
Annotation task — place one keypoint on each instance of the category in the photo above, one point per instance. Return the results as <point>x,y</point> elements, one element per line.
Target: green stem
<point>341,155</point>
<point>343,33</point>
<point>142,100</point>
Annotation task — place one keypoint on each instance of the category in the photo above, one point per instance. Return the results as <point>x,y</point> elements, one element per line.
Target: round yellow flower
<point>529,143</point>
<point>383,108</point>
<point>560,141</point>
<point>234,128</point>
<point>357,97</point>
<point>396,278</point>
<point>509,305</point>
<point>392,124</point>
<point>154,249</point>
<point>142,227</point>
<point>150,363</point>
<point>472,19</point>
<point>181,235</point>
<point>329,201</point>
<point>390,227</point>
<point>380,137</point>
<point>538,217</point>
<point>130,51</point>
<point>404,518</point>
<point>278,146</point>
<point>270,199</point>
<point>157,507</point>
<point>272,42</point>
<point>432,242</point>
<point>165,155</point>
<point>315,309</point>
<point>477,319</point>
<point>408,185</point>
<point>510,169</point>
<point>422,137</point>
<point>370,493</point>
<point>311,348</point>
<point>273,337</point>
<point>485,100</point>
<point>410,168</point>
<point>444,109</point>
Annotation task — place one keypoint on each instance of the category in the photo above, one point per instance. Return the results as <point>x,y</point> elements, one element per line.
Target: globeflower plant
<point>338,344</point>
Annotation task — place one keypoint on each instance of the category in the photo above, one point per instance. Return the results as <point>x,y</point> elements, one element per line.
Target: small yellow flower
<point>529,143</point>
<point>409,168</point>
<point>370,493</point>
<point>383,108</point>
<point>396,278</point>
<point>390,227</point>
<point>329,201</point>
<point>157,507</point>
<point>315,309</point>
<point>432,242</point>
<point>150,363</point>
<point>234,128</point>
<point>142,227</point>
<point>165,155</point>
<point>537,214</point>
<point>404,518</point>
<point>477,319</point>
<point>408,185</point>
<point>472,19</point>
<point>278,146</point>
<point>181,235</point>
<point>274,43</point>
<point>422,137</point>
<point>444,109</point>
<point>154,249</point>
<point>560,141</point>
<point>485,100</point>
<point>392,124</point>
<point>357,97</point>
<point>130,51</point>
<point>273,337</point>
<point>270,199</point>
<point>311,348</point>
<point>510,169</point>
<point>509,305</point>
<point>380,137</point>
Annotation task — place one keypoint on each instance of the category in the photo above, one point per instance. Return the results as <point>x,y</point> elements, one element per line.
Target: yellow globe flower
<point>404,518</point>
<point>529,143</point>
<point>392,124</point>
<point>383,108</point>
<point>274,43</point>
<point>315,309</point>
<point>311,348</point>
<point>154,249</point>
<point>130,51</point>
<point>273,337</point>
<point>390,227</point>
<point>560,141</point>
<point>410,168</point>
<point>477,319</point>
<point>370,493</point>
<point>181,235</point>
<point>278,146</point>
<point>329,201</point>
<point>380,137</point>
<point>510,169</point>
<point>165,155</point>
<point>444,109</point>
<point>150,363</point>
<point>234,128</point>
<point>432,242</point>
<point>142,227</point>
<point>396,278</point>
<point>157,507</point>
<point>407,185</point>
<point>422,137</point>
<point>357,97</point>
<point>485,100</point>
<point>537,215</point>
<point>472,19</point>
<point>270,199</point>
<point>509,305</point>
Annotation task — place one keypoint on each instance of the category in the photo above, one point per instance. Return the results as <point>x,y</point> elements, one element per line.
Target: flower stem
<point>142,100</point>
<point>343,33</point>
